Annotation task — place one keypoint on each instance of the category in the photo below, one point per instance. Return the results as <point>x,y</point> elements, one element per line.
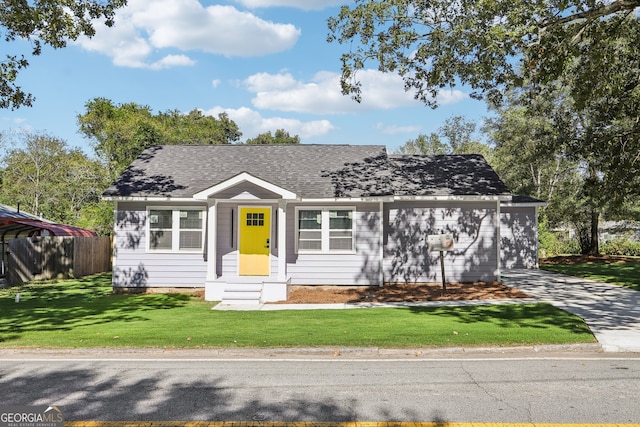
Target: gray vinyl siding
<point>518,237</point>
<point>134,266</point>
<point>359,268</point>
<point>407,257</point>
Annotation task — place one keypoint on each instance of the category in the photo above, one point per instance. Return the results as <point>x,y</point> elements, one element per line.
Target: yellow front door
<point>255,241</point>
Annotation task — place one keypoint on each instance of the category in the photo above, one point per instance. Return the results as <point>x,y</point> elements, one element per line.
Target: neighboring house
<point>612,230</point>
<point>244,221</point>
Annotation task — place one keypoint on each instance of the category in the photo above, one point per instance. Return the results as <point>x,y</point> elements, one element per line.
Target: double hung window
<point>325,230</point>
<point>176,230</point>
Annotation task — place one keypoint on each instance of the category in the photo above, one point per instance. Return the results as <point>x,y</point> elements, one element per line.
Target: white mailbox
<point>440,242</point>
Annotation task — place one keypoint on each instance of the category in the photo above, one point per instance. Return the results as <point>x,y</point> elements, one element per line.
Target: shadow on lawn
<point>624,271</point>
<point>540,316</point>
<point>63,305</point>
<point>625,274</point>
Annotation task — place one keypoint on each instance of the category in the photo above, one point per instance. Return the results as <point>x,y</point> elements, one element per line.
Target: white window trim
<point>175,229</point>
<point>324,211</point>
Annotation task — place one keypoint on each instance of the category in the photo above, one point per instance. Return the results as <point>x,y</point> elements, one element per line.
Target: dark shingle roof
<point>420,175</point>
<point>310,171</point>
<point>183,170</point>
<point>521,199</point>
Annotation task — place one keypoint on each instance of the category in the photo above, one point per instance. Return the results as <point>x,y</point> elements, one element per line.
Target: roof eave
<point>396,198</point>
<point>455,197</point>
<point>524,205</point>
<point>148,199</point>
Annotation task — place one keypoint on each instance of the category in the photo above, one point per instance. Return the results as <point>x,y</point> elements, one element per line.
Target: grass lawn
<point>84,313</point>
<point>621,271</point>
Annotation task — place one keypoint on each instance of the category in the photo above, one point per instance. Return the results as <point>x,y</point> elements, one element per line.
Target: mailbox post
<point>441,243</point>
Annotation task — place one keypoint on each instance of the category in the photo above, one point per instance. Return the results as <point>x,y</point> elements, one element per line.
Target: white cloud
<point>393,129</point>
<point>446,97</point>
<point>322,95</point>
<point>145,26</point>
<point>122,43</point>
<point>215,83</point>
<point>298,4</point>
<point>252,123</point>
<point>13,121</point>
<point>265,82</point>
<point>172,61</point>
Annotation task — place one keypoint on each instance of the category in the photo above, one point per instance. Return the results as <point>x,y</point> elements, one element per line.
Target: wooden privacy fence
<point>49,257</point>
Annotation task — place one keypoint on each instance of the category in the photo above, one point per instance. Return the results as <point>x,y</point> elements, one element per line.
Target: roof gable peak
<point>242,178</point>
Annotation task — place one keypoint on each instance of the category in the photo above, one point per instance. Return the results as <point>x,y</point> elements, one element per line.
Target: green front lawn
<point>84,313</point>
<point>620,271</point>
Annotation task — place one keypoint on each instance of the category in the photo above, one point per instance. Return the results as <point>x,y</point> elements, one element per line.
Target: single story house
<point>246,221</point>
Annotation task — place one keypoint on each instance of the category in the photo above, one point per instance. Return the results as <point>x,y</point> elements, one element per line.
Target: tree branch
<point>606,10</point>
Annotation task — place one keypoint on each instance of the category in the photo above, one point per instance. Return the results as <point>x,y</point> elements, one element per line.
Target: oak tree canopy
<point>489,45</point>
<point>40,23</point>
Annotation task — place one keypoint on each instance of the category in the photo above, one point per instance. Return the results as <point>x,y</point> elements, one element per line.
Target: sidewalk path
<point>612,312</point>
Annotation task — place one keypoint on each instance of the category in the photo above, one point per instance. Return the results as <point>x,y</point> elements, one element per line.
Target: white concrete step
<point>242,293</point>
<point>243,287</point>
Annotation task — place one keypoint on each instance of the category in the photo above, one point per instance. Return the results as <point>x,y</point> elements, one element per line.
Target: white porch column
<point>498,232</point>
<point>212,238</point>
<point>381,242</point>
<point>282,240</point>
<point>537,230</point>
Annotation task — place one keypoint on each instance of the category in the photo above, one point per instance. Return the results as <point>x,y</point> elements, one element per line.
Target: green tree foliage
<point>456,136</point>
<point>488,45</point>
<point>531,158</point>
<point>531,151</point>
<point>196,128</point>
<point>51,180</point>
<point>425,144</point>
<point>281,137</point>
<point>44,22</point>
<point>582,154</point>
<point>30,173</point>
<point>121,132</point>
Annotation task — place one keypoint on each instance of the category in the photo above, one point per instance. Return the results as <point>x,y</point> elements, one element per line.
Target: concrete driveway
<point>612,312</point>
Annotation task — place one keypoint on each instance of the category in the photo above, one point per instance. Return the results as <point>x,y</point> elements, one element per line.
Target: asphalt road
<point>510,388</point>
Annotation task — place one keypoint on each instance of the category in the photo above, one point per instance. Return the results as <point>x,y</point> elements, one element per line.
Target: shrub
<point>552,243</point>
<point>621,247</point>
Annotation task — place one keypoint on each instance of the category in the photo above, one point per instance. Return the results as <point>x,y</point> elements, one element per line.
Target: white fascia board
<point>389,199</point>
<point>349,199</point>
<point>245,177</point>
<point>524,205</point>
<point>249,202</point>
<point>449,198</point>
<point>147,199</point>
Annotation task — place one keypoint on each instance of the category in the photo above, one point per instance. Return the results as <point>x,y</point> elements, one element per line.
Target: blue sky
<point>266,63</point>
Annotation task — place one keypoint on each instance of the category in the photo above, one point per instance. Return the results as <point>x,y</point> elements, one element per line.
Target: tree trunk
<point>594,246</point>
<point>595,241</point>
